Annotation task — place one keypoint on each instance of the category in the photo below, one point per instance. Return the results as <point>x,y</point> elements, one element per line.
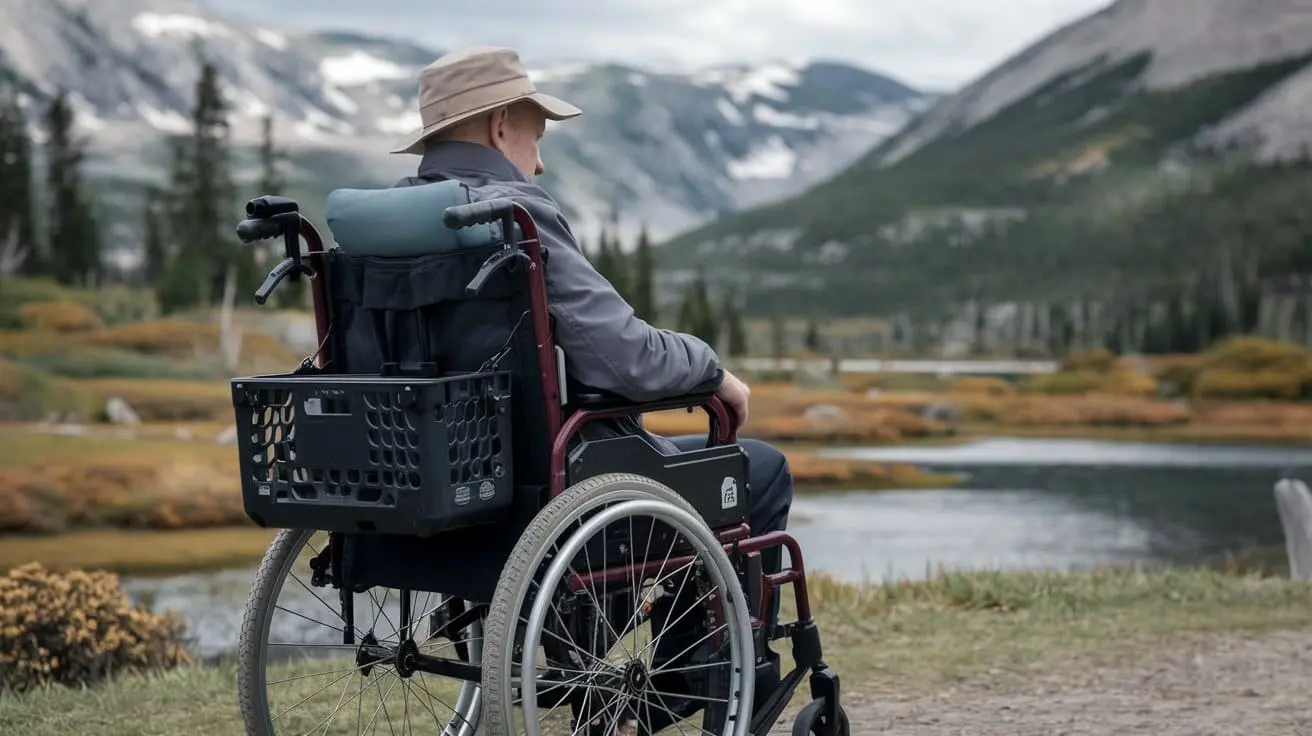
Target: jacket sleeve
<point>606,345</point>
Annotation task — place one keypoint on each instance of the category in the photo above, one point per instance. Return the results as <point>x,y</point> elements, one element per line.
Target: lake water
<point>1029,503</point>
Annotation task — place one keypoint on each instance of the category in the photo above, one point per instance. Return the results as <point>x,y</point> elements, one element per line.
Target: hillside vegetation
<point>1089,192</point>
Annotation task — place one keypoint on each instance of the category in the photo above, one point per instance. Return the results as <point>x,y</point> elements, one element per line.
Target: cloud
<point>939,44</point>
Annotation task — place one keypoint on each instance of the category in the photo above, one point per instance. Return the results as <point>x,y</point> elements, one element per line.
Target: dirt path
<point>1243,685</point>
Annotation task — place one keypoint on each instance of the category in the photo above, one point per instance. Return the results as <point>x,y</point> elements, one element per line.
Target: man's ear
<point>499,127</point>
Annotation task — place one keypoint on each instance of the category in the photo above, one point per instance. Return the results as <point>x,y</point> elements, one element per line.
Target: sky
<point>931,44</point>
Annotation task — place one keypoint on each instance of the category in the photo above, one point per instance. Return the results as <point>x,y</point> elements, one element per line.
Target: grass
<point>898,638</point>
<point>139,552</point>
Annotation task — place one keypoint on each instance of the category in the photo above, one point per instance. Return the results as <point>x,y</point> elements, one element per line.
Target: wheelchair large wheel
<point>664,634</point>
<point>296,673</point>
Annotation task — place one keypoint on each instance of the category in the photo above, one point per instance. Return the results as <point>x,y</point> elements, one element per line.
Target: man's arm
<point>607,346</point>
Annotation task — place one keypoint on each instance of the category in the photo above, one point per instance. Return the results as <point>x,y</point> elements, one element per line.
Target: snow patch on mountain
<point>360,67</point>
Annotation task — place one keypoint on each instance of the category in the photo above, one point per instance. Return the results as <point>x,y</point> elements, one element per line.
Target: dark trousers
<point>771,481</point>
<point>771,499</point>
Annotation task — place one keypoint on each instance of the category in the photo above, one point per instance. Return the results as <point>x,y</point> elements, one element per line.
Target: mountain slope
<point>673,148</point>
<point>1043,179</point>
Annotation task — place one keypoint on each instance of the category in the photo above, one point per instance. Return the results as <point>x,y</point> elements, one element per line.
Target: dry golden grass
<point>60,316</point>
<point>51,483</point>
<point>161,400</point>
<point>175,338</point>
<point>138,552</point>
<point>779,414</point>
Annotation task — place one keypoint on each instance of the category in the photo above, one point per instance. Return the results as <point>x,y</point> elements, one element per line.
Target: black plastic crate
<point>392,455</point>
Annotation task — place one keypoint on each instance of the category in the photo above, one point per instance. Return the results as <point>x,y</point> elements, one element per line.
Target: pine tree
<point>292,292</point>
<point>696,315</point>
<point>73,235</point>
<point>812,338</point>
<point>17,188</point>
<point>271,181</point>
<point>643,284</point>
<point>202,212</point>
<point>734,331</point>
<point>610,263</point>
<point>154,260</point>
<point>778,338</point>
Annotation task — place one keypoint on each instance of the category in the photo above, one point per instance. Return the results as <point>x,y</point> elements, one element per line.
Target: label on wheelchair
<point>729,492</point>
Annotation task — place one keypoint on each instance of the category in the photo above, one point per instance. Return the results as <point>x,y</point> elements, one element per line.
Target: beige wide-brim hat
<point>473,81</point>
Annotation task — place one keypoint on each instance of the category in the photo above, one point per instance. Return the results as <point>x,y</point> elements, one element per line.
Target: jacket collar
<point>463,157</point>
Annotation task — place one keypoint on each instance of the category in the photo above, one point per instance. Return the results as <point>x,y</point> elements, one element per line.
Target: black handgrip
<point>252,230</point>
<point>270,205</point>
<point>477,213</point>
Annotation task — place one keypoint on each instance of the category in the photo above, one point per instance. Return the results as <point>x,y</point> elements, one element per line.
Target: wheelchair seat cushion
<point>403,222</point>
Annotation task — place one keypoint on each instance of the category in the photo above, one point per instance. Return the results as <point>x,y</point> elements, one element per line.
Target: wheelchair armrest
<point>601,404</point>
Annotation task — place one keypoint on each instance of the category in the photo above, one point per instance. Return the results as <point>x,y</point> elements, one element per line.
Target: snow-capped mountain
<point>1187,40</point>
<point>671,148</point>
<point>1108,156</point>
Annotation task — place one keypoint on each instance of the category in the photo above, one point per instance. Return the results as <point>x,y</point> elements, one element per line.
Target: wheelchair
<point>460,546</point>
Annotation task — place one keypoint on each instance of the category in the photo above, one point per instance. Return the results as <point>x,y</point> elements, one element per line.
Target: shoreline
<point>955,643</point>
<point>150,552</point>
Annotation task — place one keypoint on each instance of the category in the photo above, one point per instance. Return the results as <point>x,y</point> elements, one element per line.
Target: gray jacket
<point>607,346</point>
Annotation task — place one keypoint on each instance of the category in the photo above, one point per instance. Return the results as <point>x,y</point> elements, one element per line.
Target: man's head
<point>484,95</point>
<point>513,129</point>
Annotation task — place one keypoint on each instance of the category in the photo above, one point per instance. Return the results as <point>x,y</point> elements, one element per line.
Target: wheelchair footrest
<point>374,454</point>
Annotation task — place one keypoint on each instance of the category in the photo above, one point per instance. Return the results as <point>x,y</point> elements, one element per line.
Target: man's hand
<point>734,393</point>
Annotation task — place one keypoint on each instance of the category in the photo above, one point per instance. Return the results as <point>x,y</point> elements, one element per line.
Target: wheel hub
<point>636,677</point>
<point>406,655</point>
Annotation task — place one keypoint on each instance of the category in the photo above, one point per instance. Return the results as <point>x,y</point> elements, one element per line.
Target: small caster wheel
<point>811,721</point>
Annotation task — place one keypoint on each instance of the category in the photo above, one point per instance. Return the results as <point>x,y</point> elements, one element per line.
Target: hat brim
<point>553,107</point>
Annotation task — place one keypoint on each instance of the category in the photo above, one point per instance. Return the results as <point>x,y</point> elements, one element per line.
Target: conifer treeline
<point>188,250</point>
<point>48,229</point>
<point>632,273</point>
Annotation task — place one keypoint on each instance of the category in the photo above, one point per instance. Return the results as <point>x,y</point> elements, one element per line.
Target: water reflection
<point>1029,503</point>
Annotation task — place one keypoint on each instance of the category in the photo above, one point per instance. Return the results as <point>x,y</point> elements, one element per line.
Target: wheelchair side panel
<point>713,479</point>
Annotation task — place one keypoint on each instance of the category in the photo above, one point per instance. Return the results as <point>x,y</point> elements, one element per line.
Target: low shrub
<point>27,394</point>
<point>163,400</point>
<point>1255,354</point>
<point>143,490</point>
<point>1117,381</point>
<point>176,337</point>
<point>1261,384</point>
<point>113,304</point>
<point>1094,411</point>
<point>80,362</point>
<point>60,316</point>
<point>982,385</point>
<point>78,628</point>
<point>1090,361</point>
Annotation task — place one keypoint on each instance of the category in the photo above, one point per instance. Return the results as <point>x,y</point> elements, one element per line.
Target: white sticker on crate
<point>463,495</point>
<point>487,490</point>
<point>729,492</point>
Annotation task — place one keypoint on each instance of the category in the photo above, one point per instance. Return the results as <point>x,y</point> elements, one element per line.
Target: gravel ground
<point>1243,685</point>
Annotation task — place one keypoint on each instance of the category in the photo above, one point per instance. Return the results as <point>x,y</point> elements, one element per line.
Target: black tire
<point>810,721</point>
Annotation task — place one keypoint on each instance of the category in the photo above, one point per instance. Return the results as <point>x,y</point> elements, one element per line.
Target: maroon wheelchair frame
<point>736,539</point>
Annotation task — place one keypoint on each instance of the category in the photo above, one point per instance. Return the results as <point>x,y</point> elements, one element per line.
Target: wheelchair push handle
<point>250,231</point>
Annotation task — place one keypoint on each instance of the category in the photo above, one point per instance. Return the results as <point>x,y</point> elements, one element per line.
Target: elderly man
<point>482,121</point>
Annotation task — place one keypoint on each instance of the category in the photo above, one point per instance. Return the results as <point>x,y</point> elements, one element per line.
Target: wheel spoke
<point>303,702</point>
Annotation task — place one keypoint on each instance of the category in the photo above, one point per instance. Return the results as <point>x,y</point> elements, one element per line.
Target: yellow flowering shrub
<point>78,628</point>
